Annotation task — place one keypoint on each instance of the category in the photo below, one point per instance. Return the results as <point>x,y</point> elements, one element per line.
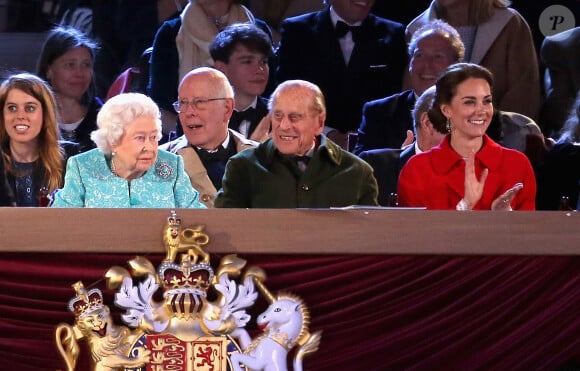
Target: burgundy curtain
<point>376,312</point>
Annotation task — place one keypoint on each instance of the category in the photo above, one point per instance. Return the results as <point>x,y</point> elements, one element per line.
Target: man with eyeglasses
<point>205,104</point>
<point>298,167</point>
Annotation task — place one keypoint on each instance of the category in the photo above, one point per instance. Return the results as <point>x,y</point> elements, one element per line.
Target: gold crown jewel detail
<point>186,278</point>
<point>85,301</point>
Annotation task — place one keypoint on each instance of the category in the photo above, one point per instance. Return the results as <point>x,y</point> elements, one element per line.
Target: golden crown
<point>85,301</point>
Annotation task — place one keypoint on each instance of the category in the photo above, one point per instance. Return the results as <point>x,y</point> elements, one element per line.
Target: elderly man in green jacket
<point>298,167</point>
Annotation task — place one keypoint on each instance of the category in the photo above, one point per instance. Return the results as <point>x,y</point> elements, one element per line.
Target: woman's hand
<point>473,186</point>
<point>502,203</point>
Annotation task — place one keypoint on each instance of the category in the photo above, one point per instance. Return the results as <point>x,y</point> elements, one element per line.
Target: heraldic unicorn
<point>186,330</point>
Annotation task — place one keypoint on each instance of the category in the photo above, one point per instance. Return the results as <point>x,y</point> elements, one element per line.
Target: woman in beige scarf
<point>201,20</point>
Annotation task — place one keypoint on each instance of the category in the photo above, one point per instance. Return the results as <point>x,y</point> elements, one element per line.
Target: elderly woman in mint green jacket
<point>127,169</point>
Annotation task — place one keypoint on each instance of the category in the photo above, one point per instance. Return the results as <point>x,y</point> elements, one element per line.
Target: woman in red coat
<point>467,170</point>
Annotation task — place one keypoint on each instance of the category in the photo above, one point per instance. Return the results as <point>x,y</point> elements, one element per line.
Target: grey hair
<point>318,103</point>
<point>117,113</point>
<point>443,29</point>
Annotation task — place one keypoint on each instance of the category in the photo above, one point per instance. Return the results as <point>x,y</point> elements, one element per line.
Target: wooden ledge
<point>296,231</point>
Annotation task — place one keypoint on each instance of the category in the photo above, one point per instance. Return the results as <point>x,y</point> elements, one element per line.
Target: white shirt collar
<point>334,17</point>
<point>224,144</point>
<point>417,149</point>
<point>252,105</point>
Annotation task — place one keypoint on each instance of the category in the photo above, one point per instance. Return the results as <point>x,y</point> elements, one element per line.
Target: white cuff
<point>462,206</point>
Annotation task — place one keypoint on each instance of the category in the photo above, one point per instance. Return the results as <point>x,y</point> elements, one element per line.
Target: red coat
<point>435,179</point>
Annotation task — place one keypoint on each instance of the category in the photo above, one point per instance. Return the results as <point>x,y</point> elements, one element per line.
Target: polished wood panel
<point>351,231</point>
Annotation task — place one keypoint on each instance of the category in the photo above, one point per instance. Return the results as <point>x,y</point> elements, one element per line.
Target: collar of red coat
<point>444,158</point>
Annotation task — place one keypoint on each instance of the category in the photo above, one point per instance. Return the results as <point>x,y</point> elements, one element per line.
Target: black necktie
<point>342,29</point>
<point>239,116</point>
<point>305,159</point>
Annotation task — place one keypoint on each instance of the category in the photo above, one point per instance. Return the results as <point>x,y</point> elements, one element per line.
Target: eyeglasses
<point>198,104</point>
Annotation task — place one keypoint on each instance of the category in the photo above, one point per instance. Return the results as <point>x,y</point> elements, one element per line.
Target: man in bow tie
<point>351,54</point>
<point>242,52</point>
<point>298,167</point>
<point>205,104</point>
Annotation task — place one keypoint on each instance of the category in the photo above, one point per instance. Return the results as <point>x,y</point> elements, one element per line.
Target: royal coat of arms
<point>185,330</point>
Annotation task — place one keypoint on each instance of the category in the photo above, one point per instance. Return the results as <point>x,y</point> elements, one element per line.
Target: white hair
<point>117,113</point>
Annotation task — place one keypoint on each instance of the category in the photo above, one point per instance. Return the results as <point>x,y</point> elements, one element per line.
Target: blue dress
<point>89,182</point>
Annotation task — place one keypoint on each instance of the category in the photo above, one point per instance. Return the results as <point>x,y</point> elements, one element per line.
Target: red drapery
<point>376,312</point>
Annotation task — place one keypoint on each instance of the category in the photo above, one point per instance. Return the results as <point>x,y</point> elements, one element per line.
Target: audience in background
<point>351,65</point>
<point>126,29</point>
<point>299,167</point>
<point>388,162</point>
<point>29,139</point>
<point>467,170</point>
<point>561,54</point>
<point>519,132</point>
<point>205,104</point>
<point>559,174</point>
<point>126,169</point>
<point>547,17</point>
<point>66,62</point>
<point>274,12</point>
<point>241,51</point>
<point>498,38</point>
<point>182,44</point>
<point>386,121</point>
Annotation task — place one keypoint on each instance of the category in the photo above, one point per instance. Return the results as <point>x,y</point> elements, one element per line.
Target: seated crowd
<point>233,119</point>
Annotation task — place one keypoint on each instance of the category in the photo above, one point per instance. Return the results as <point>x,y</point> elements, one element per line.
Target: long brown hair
<point>50,153</point>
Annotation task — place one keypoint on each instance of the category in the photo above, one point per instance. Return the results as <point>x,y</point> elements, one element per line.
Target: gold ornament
<point>185,330</point>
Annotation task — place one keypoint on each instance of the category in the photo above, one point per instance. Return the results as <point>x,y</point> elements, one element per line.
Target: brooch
<point>164,170</point>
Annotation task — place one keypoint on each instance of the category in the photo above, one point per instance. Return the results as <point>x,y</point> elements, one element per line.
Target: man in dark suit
<point>241,51</point>
<point>386,121</point>
<point>353,55</point>
<point>561,54</point>
<point>388,162</point>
